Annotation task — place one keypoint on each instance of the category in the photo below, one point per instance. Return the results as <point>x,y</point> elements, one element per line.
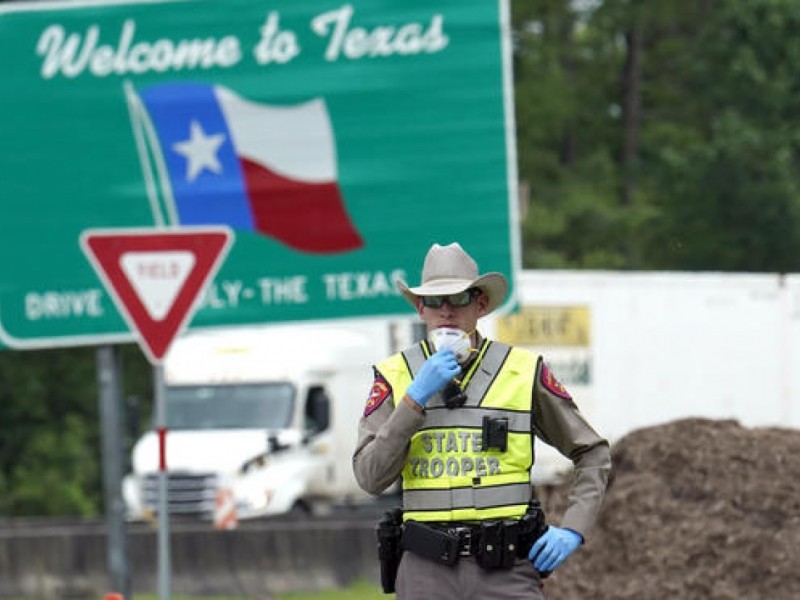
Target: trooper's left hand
<point>553,548</point>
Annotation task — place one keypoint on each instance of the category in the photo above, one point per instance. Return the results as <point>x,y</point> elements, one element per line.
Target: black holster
<point>389,532</point>
<point>532,526</point>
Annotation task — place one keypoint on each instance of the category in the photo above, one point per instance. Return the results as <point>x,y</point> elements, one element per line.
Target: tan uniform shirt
<point>384,435</point>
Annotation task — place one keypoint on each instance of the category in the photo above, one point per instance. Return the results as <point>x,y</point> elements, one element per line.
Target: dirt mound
<point>697,509</point>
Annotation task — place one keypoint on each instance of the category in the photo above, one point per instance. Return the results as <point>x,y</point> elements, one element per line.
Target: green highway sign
<point>337,139</point>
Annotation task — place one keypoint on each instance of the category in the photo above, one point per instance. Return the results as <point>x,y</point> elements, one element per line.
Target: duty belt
<point>494,544</point>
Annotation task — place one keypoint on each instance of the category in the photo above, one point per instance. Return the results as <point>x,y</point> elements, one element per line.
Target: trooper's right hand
<point>440,368</point>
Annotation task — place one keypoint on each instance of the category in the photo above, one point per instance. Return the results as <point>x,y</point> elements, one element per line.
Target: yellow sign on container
<point>568,326</point>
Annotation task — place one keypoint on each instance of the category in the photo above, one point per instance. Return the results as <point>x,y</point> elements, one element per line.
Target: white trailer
<point>641,348</point>
<point>261,420</point>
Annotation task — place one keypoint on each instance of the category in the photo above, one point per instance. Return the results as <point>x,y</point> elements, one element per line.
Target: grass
<point>360,590</point>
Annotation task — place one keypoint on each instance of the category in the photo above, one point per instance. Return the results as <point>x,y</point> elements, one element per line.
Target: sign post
<point>155,278</point>
<point>164,567</point>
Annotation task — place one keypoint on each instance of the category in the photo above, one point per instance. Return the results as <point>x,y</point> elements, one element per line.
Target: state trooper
<point>454,416</point>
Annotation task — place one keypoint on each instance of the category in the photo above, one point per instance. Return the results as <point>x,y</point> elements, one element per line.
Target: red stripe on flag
<point>309,217</point>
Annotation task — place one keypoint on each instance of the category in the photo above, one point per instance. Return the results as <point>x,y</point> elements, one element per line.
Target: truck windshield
<point>263,406</point>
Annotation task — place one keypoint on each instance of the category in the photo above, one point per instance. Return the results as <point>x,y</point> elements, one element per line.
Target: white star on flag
<point>200,151</point>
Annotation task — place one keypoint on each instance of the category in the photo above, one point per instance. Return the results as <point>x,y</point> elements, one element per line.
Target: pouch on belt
<point>430,543</point>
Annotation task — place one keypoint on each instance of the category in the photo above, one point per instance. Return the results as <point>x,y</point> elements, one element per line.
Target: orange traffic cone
<point>225,510</point>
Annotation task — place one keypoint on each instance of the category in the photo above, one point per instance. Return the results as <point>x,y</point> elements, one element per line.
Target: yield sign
<point>156,276</point>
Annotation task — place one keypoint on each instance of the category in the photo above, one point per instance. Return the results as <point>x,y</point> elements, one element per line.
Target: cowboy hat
<point>450,270</point>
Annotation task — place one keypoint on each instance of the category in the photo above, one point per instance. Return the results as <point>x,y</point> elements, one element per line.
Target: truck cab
<point>264,416</point>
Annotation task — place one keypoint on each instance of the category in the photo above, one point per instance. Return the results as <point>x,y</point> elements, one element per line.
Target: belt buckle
<point>464,540</point>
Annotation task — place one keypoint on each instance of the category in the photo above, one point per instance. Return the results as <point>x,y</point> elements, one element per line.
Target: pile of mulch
<point>697,509</point>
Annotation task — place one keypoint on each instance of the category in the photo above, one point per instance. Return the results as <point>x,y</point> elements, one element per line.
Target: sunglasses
<point>455,300</point>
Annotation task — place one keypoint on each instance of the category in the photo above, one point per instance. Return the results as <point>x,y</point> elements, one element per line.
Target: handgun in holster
<point>389,532</point>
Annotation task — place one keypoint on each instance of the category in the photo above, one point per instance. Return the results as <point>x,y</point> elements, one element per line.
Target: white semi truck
<point>261,420</point>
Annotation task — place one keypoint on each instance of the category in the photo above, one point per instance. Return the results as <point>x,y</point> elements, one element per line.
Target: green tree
<point>729,187</point>
<point>50,443</point>
<point>659,135</point>
<point>568,129</point>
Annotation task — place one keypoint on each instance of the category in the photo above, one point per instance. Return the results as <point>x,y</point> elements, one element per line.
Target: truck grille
<point>187,493</point>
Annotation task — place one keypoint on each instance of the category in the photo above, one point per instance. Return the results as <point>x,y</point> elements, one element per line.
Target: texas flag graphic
<point>212,157</point>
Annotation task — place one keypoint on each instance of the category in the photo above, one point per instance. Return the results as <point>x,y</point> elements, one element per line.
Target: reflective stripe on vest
<point>447,475</point>
<point>467,498</point>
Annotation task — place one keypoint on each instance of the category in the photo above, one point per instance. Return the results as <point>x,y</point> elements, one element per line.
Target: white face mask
<point>456,340</point>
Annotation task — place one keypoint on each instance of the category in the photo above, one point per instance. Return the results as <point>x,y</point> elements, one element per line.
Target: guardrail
<point>68,560</point>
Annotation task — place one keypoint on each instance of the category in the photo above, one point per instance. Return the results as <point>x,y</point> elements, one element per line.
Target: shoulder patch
<point>379,392</point>
<point>552,384</point>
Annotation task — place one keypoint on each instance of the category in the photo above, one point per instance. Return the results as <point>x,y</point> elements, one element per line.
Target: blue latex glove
<point>553,548</point>
<point>440,368</point>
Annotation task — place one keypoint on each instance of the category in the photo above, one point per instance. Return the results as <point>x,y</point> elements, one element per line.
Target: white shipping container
<point>641,348</point>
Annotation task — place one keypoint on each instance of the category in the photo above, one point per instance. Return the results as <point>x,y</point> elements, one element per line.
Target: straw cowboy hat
<point>450,270</point>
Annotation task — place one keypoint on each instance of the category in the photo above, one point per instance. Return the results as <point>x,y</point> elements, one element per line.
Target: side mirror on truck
<point>318,411</point>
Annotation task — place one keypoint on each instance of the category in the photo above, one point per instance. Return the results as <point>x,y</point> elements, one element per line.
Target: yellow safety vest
<point>447,475</point>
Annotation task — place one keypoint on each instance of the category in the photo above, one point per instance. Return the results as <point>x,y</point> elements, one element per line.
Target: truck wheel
<point>306,509</point>
<point>300,510</point>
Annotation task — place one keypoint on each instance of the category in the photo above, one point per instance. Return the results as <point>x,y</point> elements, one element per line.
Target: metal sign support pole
<point>111,435</point>
<point>163,488</point>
